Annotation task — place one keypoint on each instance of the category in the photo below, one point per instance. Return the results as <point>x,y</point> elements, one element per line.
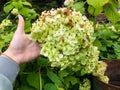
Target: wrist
<point>11,56</point>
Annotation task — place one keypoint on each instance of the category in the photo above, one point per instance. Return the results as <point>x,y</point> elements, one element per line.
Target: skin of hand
<point>21,48</point>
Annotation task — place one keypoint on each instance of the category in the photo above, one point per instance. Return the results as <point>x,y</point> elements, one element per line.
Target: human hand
<point>21,48</point>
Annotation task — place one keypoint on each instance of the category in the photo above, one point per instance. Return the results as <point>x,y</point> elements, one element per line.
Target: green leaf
<point>53,77</point>
<point>108,43</point>
<point>63,73</point>
<point>32,14</point>
<point>24,11</point>
<point>94,11</point>
<point>109,56</point>
<point>117,26</point>
<point>97,3</point>
<point>8,8</point>
<point>1,44</point>
<point>26,88</point>
<point>111,13</point>
<point>79,6</point>
<point>17,4</point>
<point>108,34</point>
<point>33,80</point>
<point>42,61</point>
<point>7,38</point>
<point>103,48</point>
<point>27,3</point>
<point>98,11</point>
<point>50,86</point>
<point>98,44</point>
<point>32,11</point>
<point>91,9</point>
<point>115,3</point>
<point>117,47</point>
<point>22,68</point>
<point>73,80</point>
<point>27,26</point>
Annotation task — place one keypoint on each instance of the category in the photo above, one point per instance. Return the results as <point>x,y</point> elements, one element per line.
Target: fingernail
<point>18,15</point>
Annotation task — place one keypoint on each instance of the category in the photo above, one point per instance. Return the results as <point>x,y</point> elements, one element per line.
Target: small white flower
<point>68,2</point>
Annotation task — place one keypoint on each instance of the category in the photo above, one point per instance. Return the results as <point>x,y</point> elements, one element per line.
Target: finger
<point>20,27</point>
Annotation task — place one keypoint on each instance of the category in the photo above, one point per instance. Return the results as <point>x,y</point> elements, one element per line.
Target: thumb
<point>20,27</point>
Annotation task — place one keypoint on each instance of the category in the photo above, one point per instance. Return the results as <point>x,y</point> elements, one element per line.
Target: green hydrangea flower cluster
<point>99,72</point>
<point>66,39</point>
<point>15,11</point>
<point>85,84</point>
<point>5,23</point>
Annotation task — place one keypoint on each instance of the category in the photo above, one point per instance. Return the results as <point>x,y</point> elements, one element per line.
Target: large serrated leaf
<point>26,88</point>
<point>97,3</point>
<point>50,86</point>
<point>96,6</point>
<point>43,61</point>
<point>108,34</point>
<point>108,43</point>
<point>98,44</point>
<point>114,3</point>
<point>98,11</point>
<point>111,13</point>
<point>24,11</point>
<point>8,8</point>
<point>1,44</point>
<point>91,9</point>
<point>17,4</point>
<point>95,11</point>
<point>79,6</point>
<point>116,47</point>
<point>53,77</point>
<point>73,80</point>
<point>63,73</point>
<point>27,3</point>
<point>33,80</point>
<point>8,38</point>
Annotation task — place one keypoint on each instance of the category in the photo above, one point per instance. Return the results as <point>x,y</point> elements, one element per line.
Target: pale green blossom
<point>5,23</point>
<point>68,2</point>
<point>99,72</point>
<point>15,11</point>
<point>85,84</point>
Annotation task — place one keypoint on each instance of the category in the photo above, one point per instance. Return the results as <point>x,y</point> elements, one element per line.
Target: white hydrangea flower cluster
<point>66,39</point>
<point>68,2</point>
<point>5,23</point>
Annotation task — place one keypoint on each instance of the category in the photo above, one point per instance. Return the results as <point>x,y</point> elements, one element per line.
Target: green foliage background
<point>38,75</point>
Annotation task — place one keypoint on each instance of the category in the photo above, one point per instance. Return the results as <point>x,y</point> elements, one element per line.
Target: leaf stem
<point>40,80</point>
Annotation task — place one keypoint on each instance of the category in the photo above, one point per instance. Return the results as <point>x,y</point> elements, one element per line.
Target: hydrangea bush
<point>66,38</point>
